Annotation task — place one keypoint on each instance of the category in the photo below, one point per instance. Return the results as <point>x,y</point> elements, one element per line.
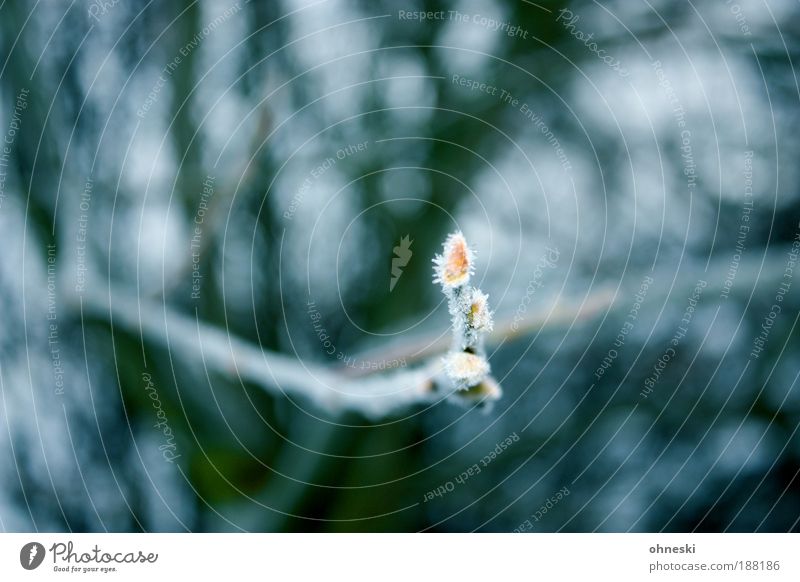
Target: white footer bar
<point>401,557</point>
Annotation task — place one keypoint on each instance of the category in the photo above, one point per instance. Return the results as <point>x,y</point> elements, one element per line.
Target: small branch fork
<point>375,395</point>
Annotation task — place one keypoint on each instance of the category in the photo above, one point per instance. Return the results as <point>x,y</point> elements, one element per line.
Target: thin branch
<point>279,374</point>
<point>765,270</point>
<point>379,395</point>
<point>425,346</point>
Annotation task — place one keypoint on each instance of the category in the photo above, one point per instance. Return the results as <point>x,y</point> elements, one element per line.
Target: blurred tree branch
<point>560,312</point>
<point>378,395</point>
<point>280,374</point>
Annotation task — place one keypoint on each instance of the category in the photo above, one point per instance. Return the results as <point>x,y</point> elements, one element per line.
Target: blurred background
<point>184,180</point>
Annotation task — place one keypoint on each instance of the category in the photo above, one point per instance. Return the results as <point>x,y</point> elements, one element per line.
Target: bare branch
<point>380,395</point>
<point>280,374</point>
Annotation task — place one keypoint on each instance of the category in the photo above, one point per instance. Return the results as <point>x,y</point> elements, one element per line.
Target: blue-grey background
<point>662,147</point>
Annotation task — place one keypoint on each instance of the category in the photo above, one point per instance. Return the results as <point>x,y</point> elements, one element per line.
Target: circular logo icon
<point>31,555</point>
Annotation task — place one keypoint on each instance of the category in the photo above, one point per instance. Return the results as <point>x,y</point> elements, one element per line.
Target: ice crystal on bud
<point>465,369</point>
<point>455,265</point>
<point>479,317</point>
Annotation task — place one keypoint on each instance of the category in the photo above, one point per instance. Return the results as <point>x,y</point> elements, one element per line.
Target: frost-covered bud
<point>455,265</point>
<point>465,366</point>
<point>465,369</point>
<point>486,392</point>
<point>479,317</point>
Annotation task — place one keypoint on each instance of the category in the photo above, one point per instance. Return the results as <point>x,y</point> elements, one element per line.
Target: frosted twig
<point>377,395</point>
<point>279,374</point>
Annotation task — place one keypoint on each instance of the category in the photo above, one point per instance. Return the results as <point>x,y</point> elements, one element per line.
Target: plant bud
<point>465,369</point>
<point>455,265</point>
